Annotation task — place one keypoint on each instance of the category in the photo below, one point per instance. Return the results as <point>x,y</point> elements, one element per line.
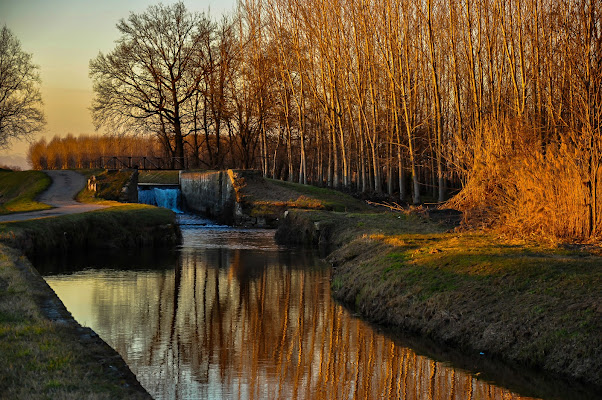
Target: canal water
<point>232,315</point>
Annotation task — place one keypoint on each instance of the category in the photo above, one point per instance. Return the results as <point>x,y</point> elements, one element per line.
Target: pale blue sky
<point>63,35</point>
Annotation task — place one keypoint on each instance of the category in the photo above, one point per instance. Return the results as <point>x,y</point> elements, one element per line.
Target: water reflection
<point>234,316</point>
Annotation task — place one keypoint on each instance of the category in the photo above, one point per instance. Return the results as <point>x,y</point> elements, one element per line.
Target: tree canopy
<point>496,103</point>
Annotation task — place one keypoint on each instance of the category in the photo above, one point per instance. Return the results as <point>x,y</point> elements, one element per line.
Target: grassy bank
<point>522,302</point>
<point>109,185</point>
<point>125,226</point>
<point>269,198</point>
<point>161,177</point>
<point>18,190</point>
<point>44,353</point>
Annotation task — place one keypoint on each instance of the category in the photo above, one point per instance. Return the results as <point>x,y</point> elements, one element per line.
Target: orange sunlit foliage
<point>500,101</point>
<point>88,151</point>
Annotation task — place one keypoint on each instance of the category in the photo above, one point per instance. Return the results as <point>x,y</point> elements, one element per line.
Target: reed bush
<point>517,183</point>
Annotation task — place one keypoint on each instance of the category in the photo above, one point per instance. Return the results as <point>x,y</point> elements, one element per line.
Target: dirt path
<point>61,193</point>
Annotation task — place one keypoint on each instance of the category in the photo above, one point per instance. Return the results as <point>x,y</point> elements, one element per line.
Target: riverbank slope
<point>44,352</point>
<point>112,228</point>
<point>519,301</point>
<point>19,189</point>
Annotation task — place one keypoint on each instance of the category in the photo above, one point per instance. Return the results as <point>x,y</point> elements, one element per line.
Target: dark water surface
<point>231,315</point>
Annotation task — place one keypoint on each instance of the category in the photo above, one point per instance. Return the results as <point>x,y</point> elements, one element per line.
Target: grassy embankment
<point>269,198</point>
<point>18,190</point>
<point>160,177</point>
<point>117,227</point>
<point>109,185</point>
<point>44,353</point>
<point>524,302</point>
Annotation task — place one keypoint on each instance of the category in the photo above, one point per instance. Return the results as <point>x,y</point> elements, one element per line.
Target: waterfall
<point>162,197</point>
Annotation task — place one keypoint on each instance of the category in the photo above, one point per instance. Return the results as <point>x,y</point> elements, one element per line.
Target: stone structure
<point>213,194</point>
<point>129,192</point>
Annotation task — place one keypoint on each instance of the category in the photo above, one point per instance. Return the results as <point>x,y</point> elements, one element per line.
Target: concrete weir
<point>214,194</point>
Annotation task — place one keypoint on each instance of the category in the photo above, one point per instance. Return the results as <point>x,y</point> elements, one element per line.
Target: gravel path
<point>61,193</point>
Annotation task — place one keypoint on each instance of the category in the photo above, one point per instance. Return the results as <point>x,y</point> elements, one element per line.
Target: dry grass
<point>516,185</point>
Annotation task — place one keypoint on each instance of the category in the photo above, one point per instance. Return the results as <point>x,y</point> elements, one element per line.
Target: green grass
<point>108,186</point>
<point>18,190</point>
<point>270,198</point>
<point>40,359</point>
<point>523,301</point>
<point>124,226</point>
<point>165,177</point>
<point>328,199</point>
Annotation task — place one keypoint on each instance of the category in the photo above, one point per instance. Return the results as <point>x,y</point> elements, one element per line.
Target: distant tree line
<point>87,151</point>
<point>98,151</point>
<point>500,99</point>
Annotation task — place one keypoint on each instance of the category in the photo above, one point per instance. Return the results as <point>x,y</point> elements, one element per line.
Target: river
<point>232,315</point>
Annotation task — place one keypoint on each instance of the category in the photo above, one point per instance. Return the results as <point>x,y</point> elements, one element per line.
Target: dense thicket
<point>499,98</point>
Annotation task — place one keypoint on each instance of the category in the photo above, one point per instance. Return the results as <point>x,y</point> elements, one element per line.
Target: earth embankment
<point>44,352</point>
<point>114,228</point>
<point>523,302</point>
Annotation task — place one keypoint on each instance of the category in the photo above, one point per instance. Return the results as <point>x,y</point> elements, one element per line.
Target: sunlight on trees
<point>20,99</point>
<point>149,79</point>
<point>494,105</point>
<point>86,151</point>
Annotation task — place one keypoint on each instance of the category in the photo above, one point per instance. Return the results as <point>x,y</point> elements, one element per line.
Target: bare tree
<point>150,79</point>
<point>20,98</point>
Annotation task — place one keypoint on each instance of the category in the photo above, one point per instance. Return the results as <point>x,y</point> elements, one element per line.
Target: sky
<point>63,36</point>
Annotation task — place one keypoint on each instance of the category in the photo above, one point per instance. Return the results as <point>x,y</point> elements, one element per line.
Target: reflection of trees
<point>236,323</point>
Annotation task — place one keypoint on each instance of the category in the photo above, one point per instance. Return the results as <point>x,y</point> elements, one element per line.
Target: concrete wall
<point>212,194</point>
<point>129,192</point>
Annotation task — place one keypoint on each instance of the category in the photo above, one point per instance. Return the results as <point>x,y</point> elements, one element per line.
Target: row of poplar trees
<point>500,99</point>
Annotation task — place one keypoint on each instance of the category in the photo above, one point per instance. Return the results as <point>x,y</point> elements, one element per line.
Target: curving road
<point>61,193</point>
